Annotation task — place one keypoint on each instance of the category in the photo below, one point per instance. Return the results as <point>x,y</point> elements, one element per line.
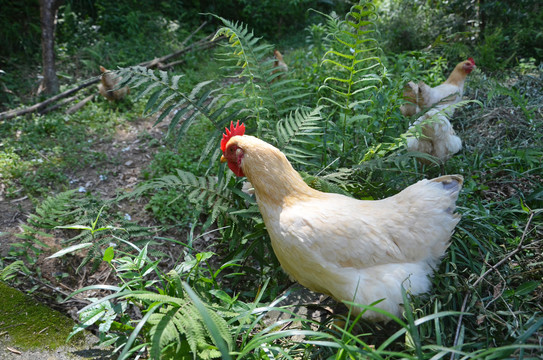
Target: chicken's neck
<point>275,181</point>
<point>457,77</point>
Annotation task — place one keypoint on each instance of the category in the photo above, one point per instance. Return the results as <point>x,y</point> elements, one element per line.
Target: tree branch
<point>198,45</point>
<point>13,113</point>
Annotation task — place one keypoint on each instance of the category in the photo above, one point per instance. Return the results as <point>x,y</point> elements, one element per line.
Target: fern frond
<point>249,56</point>
<point>180,321</point>
<point>353,66</point>
<point>332,183</point>
<point>153,297</point>
<point>12,270</point>
<point>298,134</point>
<point>52,209</point>
<point>187,320</point>
<point>243,43</point>
<point>164,331</point>
<point>267,97</point>
<point>206,192</point>
<point>354,59</point>
<point>166,97</point>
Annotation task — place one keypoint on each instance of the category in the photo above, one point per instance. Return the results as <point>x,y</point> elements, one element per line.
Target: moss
<point>31,324</point>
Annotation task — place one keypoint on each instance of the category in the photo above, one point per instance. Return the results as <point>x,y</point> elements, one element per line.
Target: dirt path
<point>128,154</point>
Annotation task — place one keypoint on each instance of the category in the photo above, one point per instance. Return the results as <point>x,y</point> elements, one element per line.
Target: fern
<point>173,326</point>
<point>205,192</point>
<point>12,270</point>
<point>324,185</point>
<point>166,97</point>
<point>179,322</point>
<point>354,56</point>
<point>250,57</point>
<point>52,210</point>
<point>266,96</point>
<point>97,225</point>
<point>298,135</point>
<point>355,64</point>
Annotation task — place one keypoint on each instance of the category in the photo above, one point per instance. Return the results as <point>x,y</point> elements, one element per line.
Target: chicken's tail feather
<point>451,183</point>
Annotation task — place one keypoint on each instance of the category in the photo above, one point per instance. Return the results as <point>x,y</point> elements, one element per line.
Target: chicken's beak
<point>223,159</point>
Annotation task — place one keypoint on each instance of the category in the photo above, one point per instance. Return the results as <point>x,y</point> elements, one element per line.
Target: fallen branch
<point>169,65</point>
<point>79,105</point>
<point>156,61</point>
<point>14,113</point>
<point>57,105</point>
<point>203,44</point>
<point>15,351</point>
<point>197,46</point>
<point>41,107</point>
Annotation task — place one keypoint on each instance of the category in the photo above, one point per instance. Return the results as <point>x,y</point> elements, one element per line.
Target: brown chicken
<point>108,86</point>
<point>354,250</point>
<point>279,65</point>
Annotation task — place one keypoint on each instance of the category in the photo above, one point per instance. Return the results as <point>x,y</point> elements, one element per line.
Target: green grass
<point>37,153</point>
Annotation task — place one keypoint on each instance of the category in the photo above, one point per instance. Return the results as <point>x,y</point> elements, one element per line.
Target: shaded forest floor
<point>128,154</point>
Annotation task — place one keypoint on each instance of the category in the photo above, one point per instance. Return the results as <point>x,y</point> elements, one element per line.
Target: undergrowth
<point>39,152</point>
<point>335,115</point>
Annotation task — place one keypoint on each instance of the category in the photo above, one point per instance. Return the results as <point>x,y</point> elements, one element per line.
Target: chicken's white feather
<point>438,137</point>
<point>353,250</point>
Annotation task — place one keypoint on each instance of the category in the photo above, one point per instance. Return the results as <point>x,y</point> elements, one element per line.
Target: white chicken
<point>437,136</point>
<point>422,96</point>
<point>353,250</point>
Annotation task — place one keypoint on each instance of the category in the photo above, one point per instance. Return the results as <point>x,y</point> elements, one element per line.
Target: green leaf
<point>109,253</point>
<point>525,208</point>
<point>70,249</point>
<point>74,227</point>
<point>527,288</point>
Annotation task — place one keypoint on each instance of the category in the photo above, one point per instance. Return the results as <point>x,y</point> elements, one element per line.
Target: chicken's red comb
<point>471,61</point>
<point>234,131</point>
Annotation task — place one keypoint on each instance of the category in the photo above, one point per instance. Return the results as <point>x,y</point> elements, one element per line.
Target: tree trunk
<point>48,12</point>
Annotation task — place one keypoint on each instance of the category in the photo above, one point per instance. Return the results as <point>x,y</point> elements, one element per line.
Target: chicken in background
<point>354,250</point>
<point>279,64</point>
<point>449,92</point>
<point>108,82</point>
<point>410,94</point>
<point>438,137</point>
